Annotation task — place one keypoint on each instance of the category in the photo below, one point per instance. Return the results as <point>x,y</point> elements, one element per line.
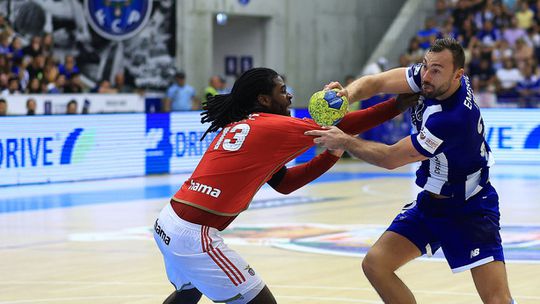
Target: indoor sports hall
<point>94,141</point>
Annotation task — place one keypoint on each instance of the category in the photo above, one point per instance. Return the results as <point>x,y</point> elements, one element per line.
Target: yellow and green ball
<point>327,108</point>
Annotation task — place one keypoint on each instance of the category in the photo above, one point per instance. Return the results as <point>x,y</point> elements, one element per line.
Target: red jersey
<point>242,157</point>
<point>245,155</point>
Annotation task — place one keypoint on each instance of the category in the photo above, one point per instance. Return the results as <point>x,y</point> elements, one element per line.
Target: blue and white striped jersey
<point>451,133</point>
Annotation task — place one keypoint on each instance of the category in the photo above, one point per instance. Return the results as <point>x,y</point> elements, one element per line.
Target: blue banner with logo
<point>42,149</point>
<point>158,145</point>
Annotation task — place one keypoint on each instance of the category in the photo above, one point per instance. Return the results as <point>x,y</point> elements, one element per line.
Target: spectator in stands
<point>69,67</point>
<point>180,95</point>
<point>120,83</point>
<point>47,44</point>
<point>71,107</point>
<point>512,33</point>
<point>214,85</point>
<point>34,48</point>
<point>501,16</point>
<point>507,78</point>
<point>523,53</point>
<point>533,38</point>
<point>74,85</point>
<point>36,68</point>
<point>428,33</point>
<point>510,4</point>
<point>13,86</point>
<point>414,52</point>
<point>3,107</point>
<point>4,25</point>
<point>4,44</point>
<point>16,48</point>
<point>448,30</point>
<point>525,16</point>
<point>54,84</point>
<point>483,78</point>
<point>528,88</point>
<point>442,13</point>
<point>502,50</point>
<point>459,14</point>
<point>5,64</point>
<point>31,106</point>
<point>104,87</point>
<point>488,35</point>
<point>467,32</point>
<point>34,87</point>
<point>4,79</point>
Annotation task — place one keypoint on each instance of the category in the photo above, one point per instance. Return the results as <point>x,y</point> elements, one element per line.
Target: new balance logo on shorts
<point>475,252</point>
<point>161,233</point>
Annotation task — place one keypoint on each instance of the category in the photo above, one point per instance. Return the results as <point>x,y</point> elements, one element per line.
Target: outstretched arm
<point>359,121</point>
<point>381,155</point>
<point>390,82</point>
<point>287,180</point>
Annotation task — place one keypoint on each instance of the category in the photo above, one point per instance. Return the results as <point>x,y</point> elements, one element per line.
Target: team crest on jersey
<point>417,112</point>
<point>117,19</point>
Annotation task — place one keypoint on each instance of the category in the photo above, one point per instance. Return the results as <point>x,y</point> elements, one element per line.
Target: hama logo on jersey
<point>161,233</point>
<point>117,19</point>
<point>205,189</point>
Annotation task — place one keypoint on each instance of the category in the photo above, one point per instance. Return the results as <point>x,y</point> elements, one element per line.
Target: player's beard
<point>435,92</point>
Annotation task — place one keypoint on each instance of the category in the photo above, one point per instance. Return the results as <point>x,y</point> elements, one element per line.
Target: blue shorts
<point>467,231</point>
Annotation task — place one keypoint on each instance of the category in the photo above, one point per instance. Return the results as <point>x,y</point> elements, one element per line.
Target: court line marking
<point>272,286</point>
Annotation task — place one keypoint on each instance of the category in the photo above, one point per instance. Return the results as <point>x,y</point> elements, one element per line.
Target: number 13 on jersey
<point>239,131</point>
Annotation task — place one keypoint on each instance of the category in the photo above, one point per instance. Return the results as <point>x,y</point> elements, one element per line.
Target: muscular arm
<point>385,156</point>
<point>359,121</point>
<point>287,180</point>
<point>381,155</point>
<point>393,81</point>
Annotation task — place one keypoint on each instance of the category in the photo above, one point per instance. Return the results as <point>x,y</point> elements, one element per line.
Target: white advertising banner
<point>93,103</point>
<point>44,149</point>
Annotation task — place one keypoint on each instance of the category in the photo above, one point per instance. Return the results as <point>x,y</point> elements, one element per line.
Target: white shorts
<point>196,257</point>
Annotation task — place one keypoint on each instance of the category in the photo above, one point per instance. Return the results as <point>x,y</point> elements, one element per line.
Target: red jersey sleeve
<point>362,120</point>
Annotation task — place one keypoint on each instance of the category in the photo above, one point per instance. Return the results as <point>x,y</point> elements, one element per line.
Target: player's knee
<point>370,265</point>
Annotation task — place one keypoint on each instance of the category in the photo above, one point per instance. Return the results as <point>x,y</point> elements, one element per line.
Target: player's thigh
<point>391,251</point>
<point>491,281</point>
<point>220,273</point>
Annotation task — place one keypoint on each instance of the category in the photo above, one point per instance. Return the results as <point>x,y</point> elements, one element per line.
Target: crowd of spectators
<point>29,66</point>
<point>502,43</point>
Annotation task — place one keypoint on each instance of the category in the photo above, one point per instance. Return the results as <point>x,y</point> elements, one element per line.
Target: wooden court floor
<point>91,242</point>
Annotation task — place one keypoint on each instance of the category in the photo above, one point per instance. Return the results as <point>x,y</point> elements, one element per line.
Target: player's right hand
<point>336,85</point>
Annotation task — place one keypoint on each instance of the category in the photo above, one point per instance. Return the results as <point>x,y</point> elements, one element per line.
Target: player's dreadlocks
<point>223,109</point>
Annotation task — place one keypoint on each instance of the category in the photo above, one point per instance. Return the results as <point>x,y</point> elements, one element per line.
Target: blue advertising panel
<point>43,149</point>
<point>187,148</point>
<point>513,135</point>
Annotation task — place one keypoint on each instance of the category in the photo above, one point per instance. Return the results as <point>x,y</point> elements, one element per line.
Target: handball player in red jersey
<point>257,138</point>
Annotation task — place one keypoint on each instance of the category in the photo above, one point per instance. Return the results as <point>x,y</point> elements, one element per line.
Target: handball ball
<point>327,108</point>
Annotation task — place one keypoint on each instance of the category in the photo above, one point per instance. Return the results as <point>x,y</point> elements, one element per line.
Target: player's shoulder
<point>267,118</point>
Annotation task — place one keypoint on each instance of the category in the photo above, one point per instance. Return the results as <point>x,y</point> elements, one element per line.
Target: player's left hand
<point>331,138</point>
<point>407,100</point>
